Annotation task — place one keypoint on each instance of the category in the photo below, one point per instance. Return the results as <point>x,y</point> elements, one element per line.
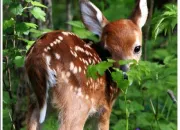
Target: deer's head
<point>122,38</point>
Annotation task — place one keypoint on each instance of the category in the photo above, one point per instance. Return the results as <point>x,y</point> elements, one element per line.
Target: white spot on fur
<point>71,66</point>
<point>65,33</point>
<point>57,56</point>
<point>68,74</point>
<point>51,44</point>
<point>94,62</point>
<point>88,53</point>
<point>73,53</point>
<point>89,61</point>
<point>87,46</point>
<point>86,62</point>
<point>61,38</point>
<point>55,42</point>
<point>80,69</point>
<point>87,97</point>
<point>78,48</point>
<point>48,48</point>
<point>58,41</point>
<point>75,70</point>
<point>45,49</point>
<point>80,59</point>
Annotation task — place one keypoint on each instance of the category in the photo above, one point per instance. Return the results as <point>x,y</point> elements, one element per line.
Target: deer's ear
<point>92,17</point>
<point>140,13</point>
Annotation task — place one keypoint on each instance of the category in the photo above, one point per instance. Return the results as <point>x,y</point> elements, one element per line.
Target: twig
<point>171,95</point>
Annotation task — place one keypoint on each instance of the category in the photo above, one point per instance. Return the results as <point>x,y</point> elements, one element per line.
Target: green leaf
<point>38,13</point>
<point>100,68</point>
<point>21,28</point>
<point>135,106</point>
<point>16,8</point>
<point>80,30</point>
<point>36,3</point>
<point>8,23</point>
<point>92,71</point>
<point>19,61</point>
<point>144,119</point>
<point>78,24</point>
<point>103,66</point>
<point>120,125</point>
<point>124,62</point>
<point>31,25</point>
<point>118,77</point>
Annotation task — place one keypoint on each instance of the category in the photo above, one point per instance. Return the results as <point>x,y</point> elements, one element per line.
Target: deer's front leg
<point>103,123</point>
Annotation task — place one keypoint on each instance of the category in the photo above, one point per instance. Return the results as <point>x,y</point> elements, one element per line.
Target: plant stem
<point>166,101</point>
<point>169,110</point>
<point>127,112</point>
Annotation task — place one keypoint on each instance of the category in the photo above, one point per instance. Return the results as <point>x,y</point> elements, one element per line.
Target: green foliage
<point>94,70</point>
<point>166,21</point>
<point>144,99</point>
<point>16,42</point>
<point>38,13</point>
<point>80,30</point>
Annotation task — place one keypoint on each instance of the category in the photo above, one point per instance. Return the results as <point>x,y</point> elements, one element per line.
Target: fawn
<point>58,61</point>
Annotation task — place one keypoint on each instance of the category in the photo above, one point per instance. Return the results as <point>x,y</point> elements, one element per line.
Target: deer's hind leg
<point>74,110</point>
<point>33,117</point>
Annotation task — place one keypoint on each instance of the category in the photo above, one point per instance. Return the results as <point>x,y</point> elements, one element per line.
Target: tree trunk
<point>49,22</point>
<point>147,28</point>
<point>68,14</point>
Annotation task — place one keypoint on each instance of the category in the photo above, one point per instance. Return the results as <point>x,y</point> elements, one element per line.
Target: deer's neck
<point>103,53</point>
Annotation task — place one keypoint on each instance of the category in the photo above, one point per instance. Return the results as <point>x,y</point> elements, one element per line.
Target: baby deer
<point>59,60</point>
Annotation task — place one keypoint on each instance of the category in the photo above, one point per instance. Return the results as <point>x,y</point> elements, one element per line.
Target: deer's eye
<point>137,49</point>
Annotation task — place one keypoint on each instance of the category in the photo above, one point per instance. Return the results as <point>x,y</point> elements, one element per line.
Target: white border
<point>178,81</point>
<point>1,70</point>
<point>1,64</point>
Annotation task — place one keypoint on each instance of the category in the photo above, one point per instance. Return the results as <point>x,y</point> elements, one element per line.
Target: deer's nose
<point>124,68</point>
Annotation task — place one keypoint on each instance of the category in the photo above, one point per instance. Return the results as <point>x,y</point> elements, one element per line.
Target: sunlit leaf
<point>38,13</point>
<point>36,3</point>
